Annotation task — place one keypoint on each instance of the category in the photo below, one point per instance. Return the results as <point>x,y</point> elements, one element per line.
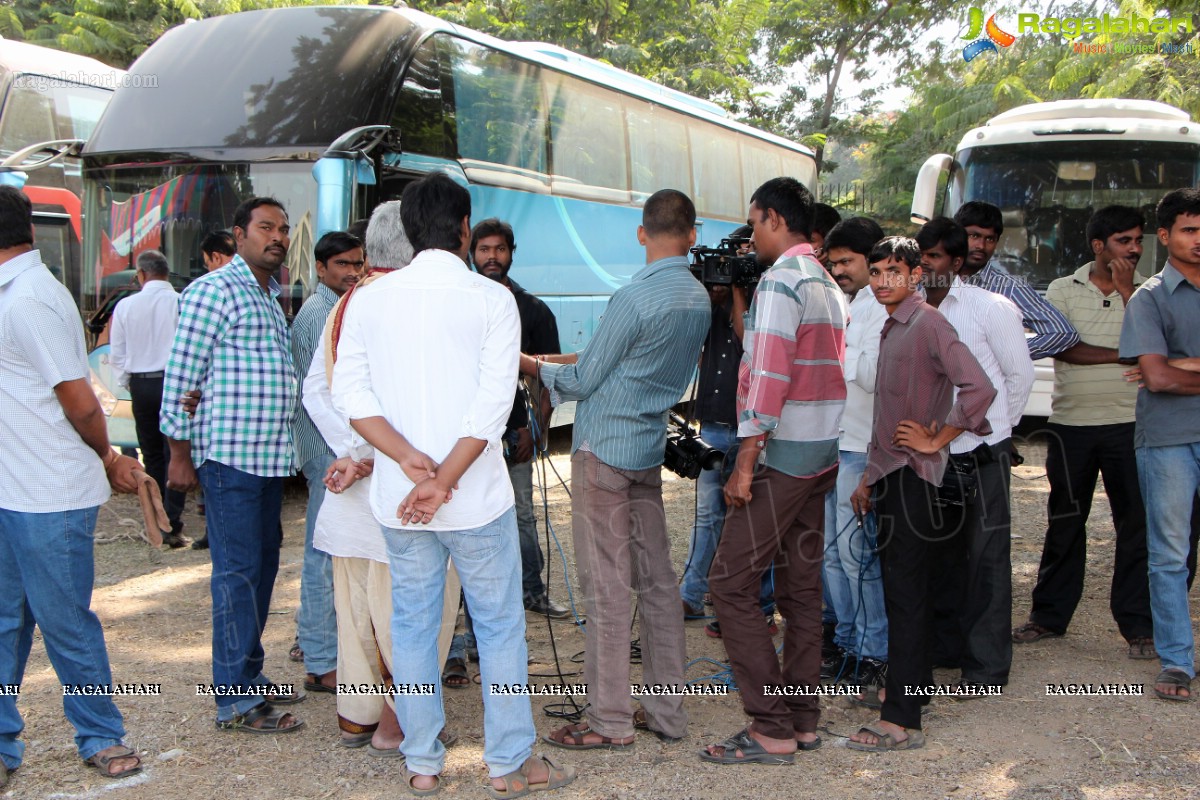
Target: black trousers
<point>908,524</point>
<point>146,394</point>
<point>1075,456</point>
<point>972,585</point>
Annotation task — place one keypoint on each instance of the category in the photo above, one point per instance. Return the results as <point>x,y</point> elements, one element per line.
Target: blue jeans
<point>316,625</point>
<point>532,560</point>
<point>46,573</point>
<point>710,518</point>
<point>1170,477</point>
<point>488,562</point>
<point>244,535</point>
<point>851,567</point>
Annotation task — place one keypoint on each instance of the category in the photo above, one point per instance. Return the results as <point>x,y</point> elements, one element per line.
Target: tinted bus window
<point>499,114</point>
<point>420,115</point>
<point>717,172</point>
<point>587,136</point>
<point>40,112</point>
<point>658,149</point>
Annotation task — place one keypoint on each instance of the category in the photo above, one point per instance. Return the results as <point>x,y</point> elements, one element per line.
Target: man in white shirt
<point>972,597</point>
<point>143,328</point>
<point>56,471</point>
<point>426,371</point>
<point>851,569</point>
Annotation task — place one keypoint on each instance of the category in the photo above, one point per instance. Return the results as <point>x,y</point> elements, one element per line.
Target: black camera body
<point>722,266</point>
<point>687,455</point>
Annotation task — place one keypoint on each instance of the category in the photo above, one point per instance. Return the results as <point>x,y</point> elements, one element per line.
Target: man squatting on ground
<point>790,399</point>
<point>54,436</point>
<point>917,415</point>
<point>430,389</point>
<point>634,369</point>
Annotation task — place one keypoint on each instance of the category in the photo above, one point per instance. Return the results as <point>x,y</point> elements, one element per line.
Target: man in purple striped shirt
<point>790,398</point>
<point>917,415</point>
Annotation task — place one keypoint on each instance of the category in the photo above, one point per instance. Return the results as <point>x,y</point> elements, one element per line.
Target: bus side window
<point>716,169</point>
<point>658,149</point>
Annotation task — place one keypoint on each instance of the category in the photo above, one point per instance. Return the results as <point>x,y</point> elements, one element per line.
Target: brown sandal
<point>516,783</point>
<point>1032,632</point>
<point>575,733</point>
<point>101,763</point>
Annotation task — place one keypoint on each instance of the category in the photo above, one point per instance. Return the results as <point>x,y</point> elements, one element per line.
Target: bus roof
<point>32,59</point>
<point>1110,119</point>
<point>218,92</point>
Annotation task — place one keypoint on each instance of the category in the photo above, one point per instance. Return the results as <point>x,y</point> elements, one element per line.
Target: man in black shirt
<point>492,248</point>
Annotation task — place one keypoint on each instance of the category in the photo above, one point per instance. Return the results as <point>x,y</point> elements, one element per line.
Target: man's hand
<point>419,506</point>
<point>345,471</point>
<point>190,401</point>
<point>1122,273</point>
<point>528,365</point>
<point>417,466</point>
<point>119,471</point>
<point>860,501</point>
<point>181,475</point>
<point>524,449</point>
<point>737,488</point>
<point>916,436</point>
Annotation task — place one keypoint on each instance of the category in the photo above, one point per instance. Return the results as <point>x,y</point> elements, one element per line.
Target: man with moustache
<point>492,249</point>
<point>233,345</point>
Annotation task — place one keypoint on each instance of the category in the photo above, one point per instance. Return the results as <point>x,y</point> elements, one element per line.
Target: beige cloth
<point>362,598</point>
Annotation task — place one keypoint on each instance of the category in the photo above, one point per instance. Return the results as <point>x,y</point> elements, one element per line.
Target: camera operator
<point>635,368</point>
<point>716,408</point>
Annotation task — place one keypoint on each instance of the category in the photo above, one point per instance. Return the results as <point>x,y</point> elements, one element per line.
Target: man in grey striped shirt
<point>634,369</point>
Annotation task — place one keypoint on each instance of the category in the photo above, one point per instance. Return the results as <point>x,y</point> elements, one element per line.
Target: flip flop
<point>312,683</point>
<point>101,763</point>
<point>357,740</point>
<point>1177,678</point>
<point>576,733</point>
<point>516,783</point>
<point>808,747</point>
<point>1032,632</point>
<point>752,752</point>
<point>887,742</point>
<point>456,668</point>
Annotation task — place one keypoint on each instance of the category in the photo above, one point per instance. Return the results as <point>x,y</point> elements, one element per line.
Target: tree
<point>822,43</point>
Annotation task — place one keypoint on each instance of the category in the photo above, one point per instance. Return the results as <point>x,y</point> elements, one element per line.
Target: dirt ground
<point>155,608</point>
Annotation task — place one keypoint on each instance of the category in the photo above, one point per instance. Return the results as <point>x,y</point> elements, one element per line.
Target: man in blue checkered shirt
<point>232,344</point>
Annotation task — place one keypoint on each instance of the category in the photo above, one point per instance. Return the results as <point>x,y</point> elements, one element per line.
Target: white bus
<point>1049,167</point>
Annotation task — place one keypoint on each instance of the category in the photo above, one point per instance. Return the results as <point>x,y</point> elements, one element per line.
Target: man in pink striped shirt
<point>790,398</point>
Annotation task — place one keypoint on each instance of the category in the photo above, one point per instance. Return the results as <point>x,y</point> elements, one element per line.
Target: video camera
<point>722,266</point>
<point>687,454</point>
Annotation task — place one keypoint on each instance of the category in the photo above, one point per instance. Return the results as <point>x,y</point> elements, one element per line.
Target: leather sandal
<point>1032,632</point>
<point>272,721</point>
<point>516,783</point>
<point>887,742</point>
<point>410,776</point>
<point>751,752</point>
<point>101,763</point>
<point>575,734</point>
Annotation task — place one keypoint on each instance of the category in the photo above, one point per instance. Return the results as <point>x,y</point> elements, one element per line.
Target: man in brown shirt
<point>917,415</point>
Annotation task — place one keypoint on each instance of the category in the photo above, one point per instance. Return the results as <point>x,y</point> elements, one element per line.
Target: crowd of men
<point>864,392</point>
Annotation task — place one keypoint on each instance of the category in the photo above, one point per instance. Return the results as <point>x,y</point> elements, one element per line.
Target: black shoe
<point>201,543</point>
<point>548,608</point>
<point>869,672</point>
<point>833,664</point>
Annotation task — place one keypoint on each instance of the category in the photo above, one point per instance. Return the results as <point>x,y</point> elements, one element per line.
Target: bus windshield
<point>130,210</point>
<point>1048,190</point>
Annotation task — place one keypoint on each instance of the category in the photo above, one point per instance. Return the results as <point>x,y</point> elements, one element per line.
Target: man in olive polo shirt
<point>1090,432</point>
<point>1162,333</point>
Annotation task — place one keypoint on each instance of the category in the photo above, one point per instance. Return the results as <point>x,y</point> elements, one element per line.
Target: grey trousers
<point>620,532</point>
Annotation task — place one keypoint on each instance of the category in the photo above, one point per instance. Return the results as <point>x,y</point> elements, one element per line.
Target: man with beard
<point>492,249</point>
<point>232,344</point>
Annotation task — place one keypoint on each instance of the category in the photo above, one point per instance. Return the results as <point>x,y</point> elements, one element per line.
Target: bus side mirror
<point>925,192</point>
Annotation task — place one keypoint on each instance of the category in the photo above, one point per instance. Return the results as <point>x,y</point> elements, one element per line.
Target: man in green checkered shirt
<point>232,344</point>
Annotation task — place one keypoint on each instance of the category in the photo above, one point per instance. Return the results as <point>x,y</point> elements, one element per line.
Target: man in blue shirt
<point>634,369</point>
<point>1160,332</point>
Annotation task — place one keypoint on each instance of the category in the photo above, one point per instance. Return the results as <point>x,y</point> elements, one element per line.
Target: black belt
<point>148,375</point>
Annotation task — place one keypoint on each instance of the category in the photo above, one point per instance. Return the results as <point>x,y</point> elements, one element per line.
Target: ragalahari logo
<point>995,36</point>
